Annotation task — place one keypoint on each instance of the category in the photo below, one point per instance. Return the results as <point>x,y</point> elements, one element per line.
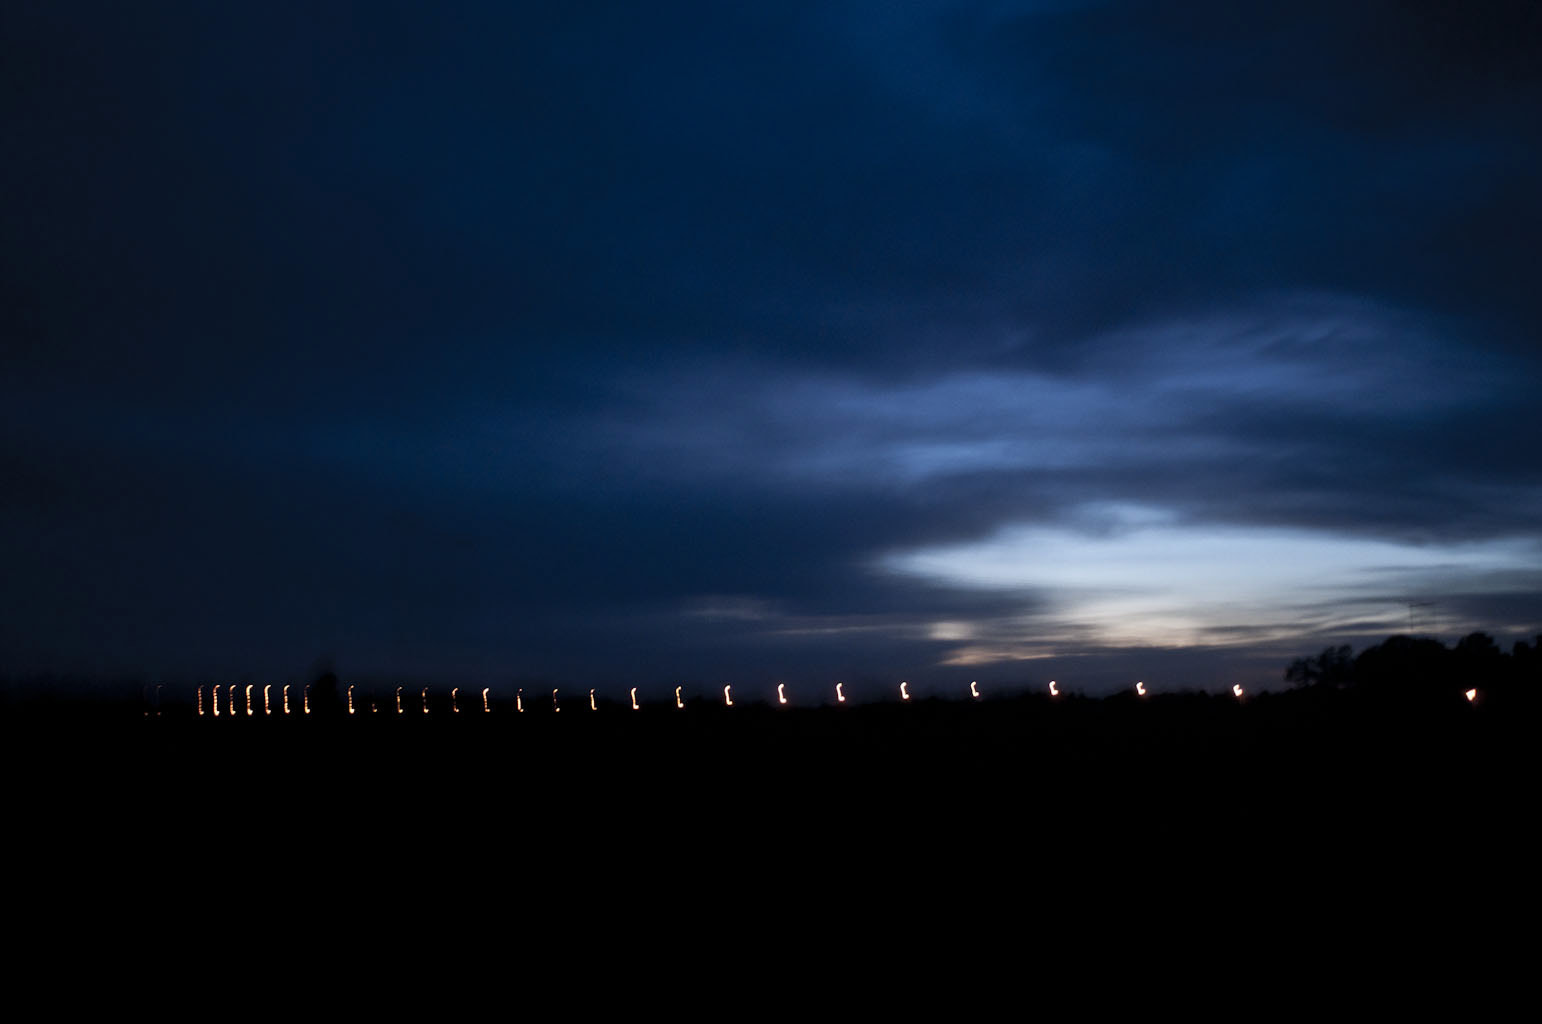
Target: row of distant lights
<point>519,698</point>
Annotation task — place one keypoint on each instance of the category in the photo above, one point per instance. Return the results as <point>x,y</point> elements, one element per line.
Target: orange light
<point>267,703</point>
<point>399,709</point>
<point>249,700</point>
<point>591,700</point>
<point>781,693</point>
<point>350,700</point>
<point>1140,688</point>
<point>554,705</point>
<point>486,707</point>
<point>728,700</point>
<point>232,700</point>
<point>519,700</point>
<point>305,698</point>
<point>840,696</point>
<point>214,697</point>
<point>455,699</point>
<point>425,700</point>
<point>635,705</point>
<point>1472,696</point>
<point>1236,690</point>
<point>286,698</point>
<point>678,702</point>
<point>1052,691</point>
<point>904,691</point>
<point>974,690</point>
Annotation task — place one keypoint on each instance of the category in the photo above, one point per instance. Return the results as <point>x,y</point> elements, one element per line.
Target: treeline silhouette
<point>1406,670</point>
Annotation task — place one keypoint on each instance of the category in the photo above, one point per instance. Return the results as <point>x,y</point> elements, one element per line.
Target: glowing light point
<point>1052,691</point>
<point>249,699</point>
<point>554,705</point>
<point>455,699</point>
<point>840,695</point>
<point>728,700</point>
<point>425,700</point>
<point>1471,695</point>
<point>305,698</point>
<point>486,707</point>
<point>781,693</point>
<point>1140,689</point>
<point>635,706</point>
<point>519,700</point>
<point>232,700</point>
<point>350,700</point>
<point>286,698</point>
<point>399,709</point>
<point>678,702</point>
<point>1236,690</point>
<point>592,706</point>
<point>904,691</point>
<point>974,689</point>
<point>267,703</point>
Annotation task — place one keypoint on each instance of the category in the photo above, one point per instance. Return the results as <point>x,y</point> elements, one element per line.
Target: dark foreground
<point>957,788</point>
<point>1040,834</point>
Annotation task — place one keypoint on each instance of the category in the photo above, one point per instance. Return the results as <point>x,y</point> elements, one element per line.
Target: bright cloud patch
<point>1162,583</point>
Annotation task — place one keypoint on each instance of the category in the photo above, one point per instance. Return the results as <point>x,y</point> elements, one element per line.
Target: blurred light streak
<point>635,705</point>
<point>904,691</point>
<point>728,700</point>
<point>1140,688</point>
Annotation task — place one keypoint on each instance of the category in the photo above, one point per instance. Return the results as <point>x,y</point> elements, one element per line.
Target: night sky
<point>638,344</point>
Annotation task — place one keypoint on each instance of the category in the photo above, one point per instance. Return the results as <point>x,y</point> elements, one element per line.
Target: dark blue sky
<point>621,344</point>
